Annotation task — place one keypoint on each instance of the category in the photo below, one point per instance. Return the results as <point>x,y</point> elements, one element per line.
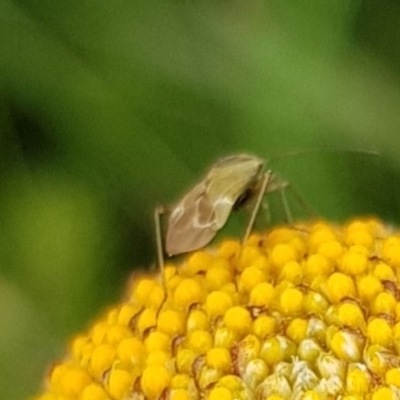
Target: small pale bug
<point>230,183</point>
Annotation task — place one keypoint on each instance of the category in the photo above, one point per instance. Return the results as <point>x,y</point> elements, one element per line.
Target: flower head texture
<point>304,312</point>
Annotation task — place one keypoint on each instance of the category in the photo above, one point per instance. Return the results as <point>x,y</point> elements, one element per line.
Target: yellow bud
<point>188,292</point>
<point>238,319</point>
<point>291,301</point>
<point>339,286</point>
<point>218,302</point>
<point>119,384</point>
<point>171,322</point>
<point>380,332</point>
<point>155,379</point>
<point>262,295</point>
<point>251,277</point>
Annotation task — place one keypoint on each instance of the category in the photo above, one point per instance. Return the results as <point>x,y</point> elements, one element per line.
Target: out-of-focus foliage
<point>109,108</point>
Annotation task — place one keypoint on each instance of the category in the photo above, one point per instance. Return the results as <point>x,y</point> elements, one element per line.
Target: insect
<point>230,183</point>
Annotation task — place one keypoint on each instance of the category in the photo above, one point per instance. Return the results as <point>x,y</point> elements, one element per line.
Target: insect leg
<point>159,241</point>
<point>301,201</point>
<point>285,204</point>
<point>263,189</point>
<point>267,210</point>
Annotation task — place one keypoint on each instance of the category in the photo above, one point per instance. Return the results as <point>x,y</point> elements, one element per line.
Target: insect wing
<point>192,222</point>
<point>228,180</point>
<point>196,219</point>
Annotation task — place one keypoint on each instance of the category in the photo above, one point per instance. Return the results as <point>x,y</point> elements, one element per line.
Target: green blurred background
<point>110,108</point>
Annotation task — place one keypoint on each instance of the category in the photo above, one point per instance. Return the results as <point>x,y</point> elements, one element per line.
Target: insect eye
<point>243,199</point>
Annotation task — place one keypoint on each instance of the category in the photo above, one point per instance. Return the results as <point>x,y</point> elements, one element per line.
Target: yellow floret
<point>219,358</point>
<point>102,358</point>
<point>384,271</point>
<point>331,249</point>
<point>171,322</point>
<point>264,326</point>
<point>220,393</point>
<point>380,332</point>
<point>262,295</point>
<point>339,286</point>
<point>384,303</point>
<point>146,320</point>
<point>119,383</point>
<point>218,302</point>
<point>282,254</point>
<point>353,263</point>
<point>251,277</point>
<point>384,393</point>
<point>392,377</point>
<point>131,350</point>
<point>369,287</point>
<point>292,272</point>
<point>180,394</point>
<point>350,314</point>
<point>218,275</point>
<point>199,261</point>
<point>297,330</point>
<point>127,312</point>
<point>316,265</point>
<point>306,312</point>
<point>199,341</point>
<point>95,391</point>
<point>238,319</point>
<point>155,379</point>
<point>141,291</point>
<point>391,251</point>
<point>197,320</point>
<point>188,292</point>
<point>291,301</point>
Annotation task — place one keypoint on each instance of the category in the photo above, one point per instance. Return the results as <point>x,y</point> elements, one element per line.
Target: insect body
<point>197,218</point>
<point>201,213</point>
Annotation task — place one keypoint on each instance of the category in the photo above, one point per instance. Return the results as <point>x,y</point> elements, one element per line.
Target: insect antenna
<point>293,153</point>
